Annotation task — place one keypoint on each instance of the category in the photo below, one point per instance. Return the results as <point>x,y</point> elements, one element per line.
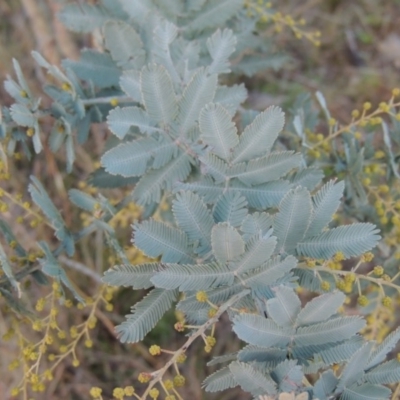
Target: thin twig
<point>157,375</point>
<point>81,268</point>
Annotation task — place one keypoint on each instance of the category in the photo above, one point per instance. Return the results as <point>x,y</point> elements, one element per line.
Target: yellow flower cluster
<point>263,11</point>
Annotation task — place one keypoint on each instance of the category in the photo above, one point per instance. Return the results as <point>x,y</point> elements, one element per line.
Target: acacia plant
<point>247,224</point>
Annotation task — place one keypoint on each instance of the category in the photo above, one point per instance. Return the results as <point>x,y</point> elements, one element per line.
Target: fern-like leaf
<point>217,130</point>
<point>120,120</point>
<point>124,44</point>
<point>252,380</point>
<point>366,392</point>
<point>384,374</point>
<point>193,277</point>
<point>258,250</point>
<point>230,97</point>
<point>291,222</point>
<point>340,352</point>
<point>130,84</point>
<point>351,240</point>
<point>150,186</point>
<point>129,159</point>
<point>137,276</point>
<point>156,239</point>
<point>258,137</point>
<point>325,203</point>
<point>83,18</point>
<point>269,272</point>
<point>309,178</point>
<point>320,308</point>
<point>43,201</point>
<point>199,91</point>
<point>284,307</point>
<point>270,357</point>
<point>158,94</point>
<point>325,385</point>
<point>220,46</point>
<point>146,313</point>
<point>257,330</point>
<point>269,168</point>
<point>227,244</point>
<point>381,351</point>
<point>215,13</point>
<point>288,375</point>
<point>256,223</point>
<point>193,217</point>
<point>231,208</point>
<point>219,380</point>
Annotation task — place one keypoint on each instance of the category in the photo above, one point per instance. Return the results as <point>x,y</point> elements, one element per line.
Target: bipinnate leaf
<point>102,179</point>
<point>320,308</point>
<point>331,331</point>
<point>291,222</point>
<point>355,367</point>
<point>325,385</point>
<point>309,178</point>
<point>217,130</point>
<point>231,208</point>
<point>384,374</point>
<point>199,92</point>
<point>130,84</point>
<point>5,267</point>
<point>252,380</point>
<point>138,10</point>
<point>43,201</point>
<point>340,352</point>
<point>284,307</point>
<point>366,391</point>
<point>268,168</point>
<point>137,276</point>
<point>352,240</point>
<point>124,44</point>
<point>51,267</point>
<point>11,238</point>
<point>215,13</point>
<point>158,94</point>
<point>269,272</point>
<point>219,380</point>
<point>270,357</point>
<point>193,277</point>
<point>128,159</point>
<point>380,352</point>
<point>145,315</point>
<point>120,120</point>
<point>258,251</point>
<point>82,200</point>
<point>220,46</point>
<point>257,222</point>
<point>22,115</point>
<point>257,330</point>
<point>258,137</point>
<point>227,244</point>
<point>193,217</point>
<point>288,375</point>
<point>325,203</point>
<point>95,67</point>
<point>21,79</point>
<point>230,97</point>
<point>156,239</point>
<point>164,34</point>
<point>151,185</point>
<point>83,18</point>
